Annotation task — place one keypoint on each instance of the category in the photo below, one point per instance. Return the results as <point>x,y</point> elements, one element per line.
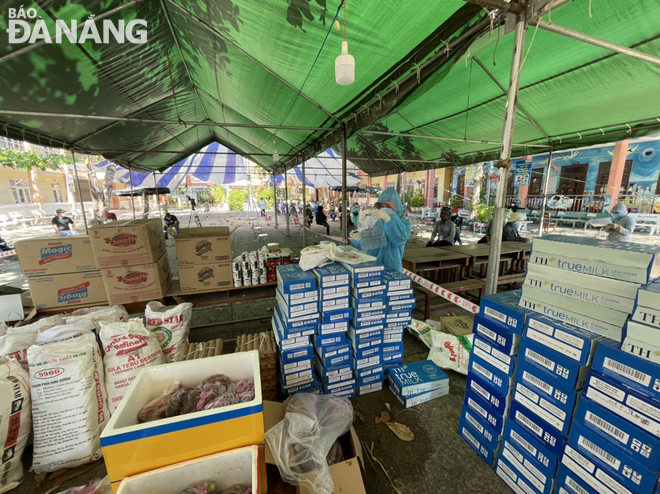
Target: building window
<point>6,143</point>
<point>57,192</point>
<point>21,191</point>
<point>391,185</point>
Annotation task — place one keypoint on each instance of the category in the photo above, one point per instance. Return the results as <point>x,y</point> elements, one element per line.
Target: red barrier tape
<point>8,253</point>
<point>446,294</point>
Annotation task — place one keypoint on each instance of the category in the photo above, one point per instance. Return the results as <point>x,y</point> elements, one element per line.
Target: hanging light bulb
<point>344,63</point>
<point>276,155</point>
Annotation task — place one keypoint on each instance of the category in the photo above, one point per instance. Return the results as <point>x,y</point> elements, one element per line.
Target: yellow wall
<point>44,181</point>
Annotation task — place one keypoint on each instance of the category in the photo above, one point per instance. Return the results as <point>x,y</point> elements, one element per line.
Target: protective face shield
<point>616,216</point>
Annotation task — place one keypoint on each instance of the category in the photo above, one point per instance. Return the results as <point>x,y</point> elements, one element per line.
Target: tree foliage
<point>237,199</point>
<point>267,195</point>
<point>27,160</point>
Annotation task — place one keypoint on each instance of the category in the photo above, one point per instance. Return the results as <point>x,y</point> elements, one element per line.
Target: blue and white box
<point>333,351</point>
<point>295,325</point>
<point>371,291</point>
<point>482,409</point>
<point>419,398</point>
<point>296,366</point>
<point>621,400</point>
<point>291,278</point>
<point>335,304</point>
<point>498,380</point>
<point>288,334</point>
<point>295,311</point>
<point>368,304</point>
<point>513,479</point>
<point>332,375</point>
<point>401,295</point>
<point>497,335</point>
<point>366,321</point>
<point>649,295</point>
<point>333,327</point>
<point>365,333</point>
<point>398,318</point>
<point>418,377</point>
<point>370,374</point>
<point>504,363</point>
<point>341,387</point>
<point>329,340</point>
<point>299,298</point>
<point>339,315</point>
<point>369,388</point>
<point>391,360</point>
<point>369,269</point>
<point>561,404</point>
<point>499,403</point>
<point>542,407</point>
<point>370,361</point>
<point>368,283</point>
<point>505,308</point>
<point>295,378</point>
<point>570,376</point>
<point>635,441</point>
<point>521,471</point>
<point>331,275</point>
<point>635,372</point>
<point>396,281</point>
<point>393,348</point>
<point>568,482</point>
<point>334,292</point>
<point>574,343</point>
<point>313,386</point>
<point>295,354</point>
<point>540,458</point>
<point>485,433</point>
<point>539,429</point>
<point>392,336</point>
<point>367,348</point>
<point>401,305</point>
<point>646,335</point>
<point>471,437</point>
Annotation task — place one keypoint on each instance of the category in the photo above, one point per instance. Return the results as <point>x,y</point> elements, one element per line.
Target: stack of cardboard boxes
<point>400,304</point>
<point>61,272</point>
<point>642,334</point>
<point>204,258</point>
<point>132,259</point>
<point>418,382</point>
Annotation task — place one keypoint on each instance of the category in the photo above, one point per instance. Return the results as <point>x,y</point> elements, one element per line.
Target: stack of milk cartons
<point>295,319</point>
<point>489,389</point>
<point>642,333</point>
<point>586,282</point>
<point>333,359</point>
<point>400,304</point>
<point>366,328</point>
<point>614,444</point>
<point>553,362</point>
<point>418,382</point>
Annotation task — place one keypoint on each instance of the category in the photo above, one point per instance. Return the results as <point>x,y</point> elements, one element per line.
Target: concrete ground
<point>436,461</point>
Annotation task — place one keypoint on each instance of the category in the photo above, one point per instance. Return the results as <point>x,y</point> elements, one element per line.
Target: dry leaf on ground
<point>358,415</point>
<point>384,417</point>
<point>402,432</point>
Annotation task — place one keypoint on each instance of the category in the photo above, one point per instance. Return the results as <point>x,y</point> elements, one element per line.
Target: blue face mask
<point>616,216</point>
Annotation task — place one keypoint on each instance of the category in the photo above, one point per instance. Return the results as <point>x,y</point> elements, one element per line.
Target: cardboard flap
<point>357,445</point>
<point>206,231</point>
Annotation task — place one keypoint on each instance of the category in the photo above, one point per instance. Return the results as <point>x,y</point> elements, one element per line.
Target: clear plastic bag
<point>317,255</point>
<point>301,442</point>
<point>372,231</point>
<point>95,486</point>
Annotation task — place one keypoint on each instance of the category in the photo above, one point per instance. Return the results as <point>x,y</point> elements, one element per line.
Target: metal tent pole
<point>130,176</point>
<point>286,205</point>
<point>304,205</point>
<point>160,215</point>
<point>505,156</point>
<point>82,203</point>
<point>545,192</point>
<point>344,207</point>
<point>275,198</point>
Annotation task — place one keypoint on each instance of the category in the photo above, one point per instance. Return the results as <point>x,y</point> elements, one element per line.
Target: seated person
<point>322,219</point>
<point>458,221</point>
<point>623,226</point>
<point>63,225</point>
<point>171,221</point>
<point>109,216</point>
<point>444,230</point>
<point>510,230</point>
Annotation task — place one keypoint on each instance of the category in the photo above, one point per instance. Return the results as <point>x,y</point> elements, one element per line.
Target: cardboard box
<point>641,349</point>
<point>499,403</point>
<point>574,343</point>
<point>496,334</point>
<point>647,315</point>
<point>500,381</point>
<point>485,433</point>
<point>570,376</point>
<point>457,325</point>
<point>127,244</point>
<point>292,279</point>
<point>346,475</point>
<point>604,292</point>
<point>67,290</point>
<point>205,277</point>
<point>548,436</point>
<point>538,458</point>
<point>207,245</point>
<point>239,466</point>
<point>471,436</point>
<point>496,358</point>
<point>130,448</point>
<point>332,275</point>
<point>619,256</point>
<point>505,308</point>
<point>649,295</point>
<point>484,411</point>
<point>419,398</point>
<point>55,255</point>
<point>138,282</point>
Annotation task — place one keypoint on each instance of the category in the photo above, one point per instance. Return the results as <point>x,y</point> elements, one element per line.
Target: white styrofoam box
<point>647,315</point>
<point>613,294</point>
<point>238,466</point>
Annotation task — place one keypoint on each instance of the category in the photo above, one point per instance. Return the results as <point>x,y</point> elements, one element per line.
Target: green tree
<point>27,160</point>
<point>237,199</point>
<point>267,195</point>
<point>218,194</point>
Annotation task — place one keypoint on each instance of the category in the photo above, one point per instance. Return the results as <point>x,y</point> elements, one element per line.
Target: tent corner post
<point>275,198</point>
<point>545,193</point>
<point>286,206</point>
<point>130,176</point>
<point>344,207</point>
<point>82,202</point>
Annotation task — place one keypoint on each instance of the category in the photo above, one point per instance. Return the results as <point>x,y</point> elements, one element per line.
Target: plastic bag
<point>171,325</point>
<point>3,328</point>
<point>372,231</point>
<point>317,255</point>
<point>301,442</point>
<point>15,421</point>
<point>346,254</point>
<point>95,486</point>
<point>96,316</point>
<point>451,351</point>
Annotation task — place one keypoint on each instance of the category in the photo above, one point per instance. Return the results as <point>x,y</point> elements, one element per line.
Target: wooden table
<point>511,252</point>
<point>436,260</point>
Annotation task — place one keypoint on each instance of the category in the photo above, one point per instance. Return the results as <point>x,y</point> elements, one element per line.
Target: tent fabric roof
<point>271,63</point>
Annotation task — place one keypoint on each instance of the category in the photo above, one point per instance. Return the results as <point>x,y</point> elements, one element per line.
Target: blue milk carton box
<point>498,380</point>
<point>369,388</point>
<point>335,292</point>
<point>332,328</point>
<point>286,331</point>
<point>401,305</point>
<point>329,340</point>
<point>635,441</point>
<point>408,295</point>
<point>476,404</point>
<point>371,291</point>
<point>401,318</point>
<point>297,324</point>
<point>418,377</point>
<point>479,445</point>
<point>505,308</point>
<point>331,275</point>
<point>396,281</point>
<point>635,372</point>
<point>370,268</point>
<point>370,375</point>
<point>367,283</point>
<point>369,361</point>
<point>499,403</point>
<point>340,388</point>
<point>295,354</point>
<point>365,333</point>
<point>392,335</point>
<point>391,348</point>
<point>390,361</point>
<point>299,298</point>
<point>314,386</point>
<point>625,402</point>
<point>334,350</point>
<point>626,471</point>
<point>541,407</point>
<point>335,304</point>
<point>296,366</point>
<point>367,348</point>
<point>516,482</point>
<point>504,363</point>
<point>296,311</point>
<point>368,319</point>
<point>485,433</point>
<point>337,315</point>
<point>526,477</point>
<point>296,378</point>
<point>368,304</point>
<point>291,278</point>
<point>538,458</point>
<point>497,335</point>
<point>570,376</point>
<point>332,374</point>
<point>570,341</point>
<point>539,429</point>
<point>417,399</point>
<point>568,482</point>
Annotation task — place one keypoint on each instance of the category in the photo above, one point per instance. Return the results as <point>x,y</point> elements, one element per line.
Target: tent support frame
<point>286,206</point>
<point>82,201</point>
<point>545,192</point>
<point>344,207</point>
<point>453,139</point>
<point>303,213</point>
<point>275,200</point>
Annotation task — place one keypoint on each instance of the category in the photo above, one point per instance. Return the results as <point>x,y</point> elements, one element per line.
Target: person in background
<point>322,219</point>
<point>623,226</point>
<point>509,231</point>
<point>109,216</point>
<point>170,221</point>
<point>444,230</point>
<point>397,229</point>
<point>63,225</point>
<point>355,213</point>
<point>3,245</point>
<point>458,221</point>
<point>193,203</point>
<point>262,206</point>
<point>315,207</point>
<point>293,209</point>
<point>332,212</point>
<point>309,216</point>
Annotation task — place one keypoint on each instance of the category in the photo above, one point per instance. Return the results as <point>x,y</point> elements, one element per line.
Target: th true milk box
<point>570,376</point>
<point>368,304</point>
<point>367,348</point>
<point>641,349</point>
<point>370,361</point>
<point>484,432</point>
<point>392,336</point>
<point>504,363</point>
<point>287,334</point>
<point>639,331</point>
<point>373,377</point>
<point>339,388</point>
<point>296,311</point>
<point>296,366</point>
<point>295,324</point>
<point>580,320</point>
<point>500,381</point>
<point>299,298</point>
<point>647,315</point>
<point>624,260</point>
<point>623,401</point>
<point>396,281</point>
<point>401,295</point>
<point>417,377</point>
<point>544,384</point>
<point>285,345</point>
<point>338,315</point>
<point>370,268</point>
<point>329,340</point>
<point>333,327</point>
<point>649,295</point>
<point>296,377</point>
<point>634,372</point>
<point>364,333</point>
<point>335,292</point>
<point>538,458</point>
<point>401,305</point>
<point>604,292</point>
<point>295,354</point>
<point>291,278</point>
<point>497,335</point>
<point>538,428</point>
<point>542,407</point>
<point>331,275</point>
<point>634,441</point>
<point>368,319</point>
<point>418,398</point>
<point>525,474</point>
<point>374,291</point>
<point>334,350</point>
<point>401,318</point>
<point>483,410</point>
<point>335,304</point>
<point>568,482</point>
<point>505,308</point>
<point>355,285</point>
<point>479,445</point>
<point>332,374</point>
<point>390,348</point>
<point>369,388</point>
<point>516,482</point>
<point>313,386</point>
<point>499,403</point>
<point>574,343</point>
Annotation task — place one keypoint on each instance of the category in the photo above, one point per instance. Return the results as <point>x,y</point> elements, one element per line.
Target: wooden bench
<point>455,287</point>
<point>571,217</point>
<point>644,221</point>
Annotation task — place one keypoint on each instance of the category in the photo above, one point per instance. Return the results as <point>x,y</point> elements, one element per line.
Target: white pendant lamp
<point>344,63</point>
<point>276,155</point>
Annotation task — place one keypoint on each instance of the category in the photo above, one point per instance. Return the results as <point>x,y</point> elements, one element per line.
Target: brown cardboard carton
<point>55,255</point>
<point>457,325</point>
<point>137,283</point>
<point>126,244</point>
<point>67,290</point>
<point>203,245</point>
<point>346,475</point>
<point>205,277</point>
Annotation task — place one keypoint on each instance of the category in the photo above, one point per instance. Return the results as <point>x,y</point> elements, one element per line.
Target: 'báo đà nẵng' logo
<point>133,278</point>
<point>121,240</point>
<point>28,25</point>
<point>55,253</point>
<point>72,294</point>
